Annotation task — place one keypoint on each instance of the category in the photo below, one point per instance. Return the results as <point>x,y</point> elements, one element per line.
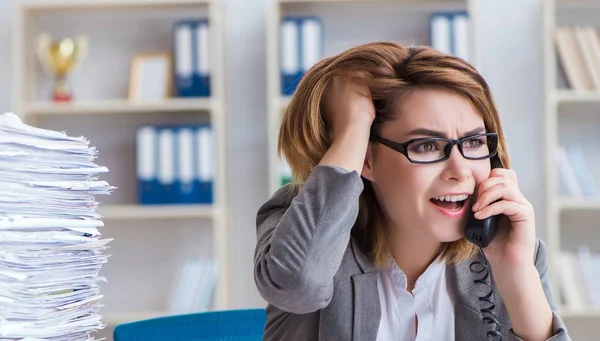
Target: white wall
<point>245,23</point>
<point>512,63</point>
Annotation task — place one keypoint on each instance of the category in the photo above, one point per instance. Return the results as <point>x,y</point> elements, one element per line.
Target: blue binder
<point>155,146</point>
<point>191,62</point>
<point>301,42</point>
<point>175,164</point>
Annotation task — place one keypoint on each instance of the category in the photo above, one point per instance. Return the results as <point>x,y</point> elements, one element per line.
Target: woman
<point>391,149</point>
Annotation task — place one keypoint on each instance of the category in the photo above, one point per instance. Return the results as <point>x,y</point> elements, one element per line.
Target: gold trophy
<point>59,58</point>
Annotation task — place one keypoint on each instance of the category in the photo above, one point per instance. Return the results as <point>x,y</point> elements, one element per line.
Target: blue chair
<point>227,325</point>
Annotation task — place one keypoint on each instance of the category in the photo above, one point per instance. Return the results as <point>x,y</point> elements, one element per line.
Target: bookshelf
<point>150,242</point>
<point>570,118</point>
<point>403,21</point>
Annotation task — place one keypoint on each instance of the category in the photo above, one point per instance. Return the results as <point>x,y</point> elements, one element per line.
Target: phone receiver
<point>482,232</point>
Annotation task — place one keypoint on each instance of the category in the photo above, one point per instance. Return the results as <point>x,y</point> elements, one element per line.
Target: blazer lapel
<point>367,310</point>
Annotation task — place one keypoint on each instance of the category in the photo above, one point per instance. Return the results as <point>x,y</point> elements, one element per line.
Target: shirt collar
<point>431,274</point>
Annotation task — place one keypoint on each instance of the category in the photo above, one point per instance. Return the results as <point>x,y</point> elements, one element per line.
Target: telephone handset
<point>481,233</point>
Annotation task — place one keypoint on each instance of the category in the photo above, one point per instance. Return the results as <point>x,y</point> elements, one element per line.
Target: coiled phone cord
<point>489,317</point>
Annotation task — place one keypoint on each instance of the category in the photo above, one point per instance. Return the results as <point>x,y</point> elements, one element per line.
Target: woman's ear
<point>367,170</point>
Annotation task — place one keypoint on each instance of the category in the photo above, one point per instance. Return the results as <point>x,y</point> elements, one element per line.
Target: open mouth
<point>450,202</point>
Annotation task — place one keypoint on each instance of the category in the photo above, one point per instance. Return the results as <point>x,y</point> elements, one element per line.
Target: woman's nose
<point>457,167</point>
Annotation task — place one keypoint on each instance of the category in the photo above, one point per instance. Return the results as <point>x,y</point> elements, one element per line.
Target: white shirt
<point>431,301</point>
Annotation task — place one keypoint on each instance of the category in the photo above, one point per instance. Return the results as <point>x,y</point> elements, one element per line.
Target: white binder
<point>440,33</point>
<point>183,54</point>
<point>460,29</point>
<point>312,42</point>
<point>202,50</point>
<point>145,153</point>
<point>205,151</point>
<point>185,159</point>
<point>290,48</point>
<point>166,152</point>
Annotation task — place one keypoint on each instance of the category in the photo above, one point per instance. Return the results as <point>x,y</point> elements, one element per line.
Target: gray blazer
<point>320,286</point>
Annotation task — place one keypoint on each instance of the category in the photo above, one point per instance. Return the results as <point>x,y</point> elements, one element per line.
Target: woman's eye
<point>474,143</point>
<point>425,147</point>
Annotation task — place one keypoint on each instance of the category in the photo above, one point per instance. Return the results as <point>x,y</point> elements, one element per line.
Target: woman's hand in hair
<point>349,113</point>
<point>347,107</point>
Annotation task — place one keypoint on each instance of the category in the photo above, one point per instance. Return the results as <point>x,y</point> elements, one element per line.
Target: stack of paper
<point>50,247</point>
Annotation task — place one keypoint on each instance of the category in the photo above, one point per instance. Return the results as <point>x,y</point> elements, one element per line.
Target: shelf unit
<point>403,21</point>
<point>559,103</point>
<point>157,237</point>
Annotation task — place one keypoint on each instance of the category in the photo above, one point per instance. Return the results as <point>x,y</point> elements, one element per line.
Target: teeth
<point>452,198</point>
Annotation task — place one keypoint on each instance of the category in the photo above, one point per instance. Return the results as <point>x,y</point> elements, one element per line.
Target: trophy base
<point>62,97</point>
<point>62,91</point>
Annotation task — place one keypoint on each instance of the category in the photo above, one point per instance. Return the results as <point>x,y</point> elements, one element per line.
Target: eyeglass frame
<point>402,147</point>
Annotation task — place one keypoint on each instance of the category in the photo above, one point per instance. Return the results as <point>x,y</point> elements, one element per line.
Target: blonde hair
<point>390,71</point>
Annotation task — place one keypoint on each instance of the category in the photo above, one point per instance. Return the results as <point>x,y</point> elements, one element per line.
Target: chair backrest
<point>227,325</point>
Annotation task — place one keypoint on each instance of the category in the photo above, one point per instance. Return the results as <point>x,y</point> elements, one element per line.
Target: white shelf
<point>419,4</point>
<point>108,4</point>
<point>579,313</point>
<point>568,96</point>
<point>116,106</point>
<point>575,204</point>
<point>577,4</point>
<point>128,212</point>
<point>113,319</point>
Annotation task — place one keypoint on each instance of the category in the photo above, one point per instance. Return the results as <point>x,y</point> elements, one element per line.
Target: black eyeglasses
<point>435,149</point>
